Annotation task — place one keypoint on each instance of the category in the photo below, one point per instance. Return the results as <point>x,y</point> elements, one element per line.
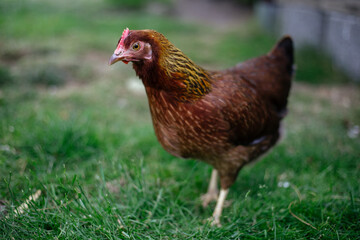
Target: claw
<point>209,197</point>
<point>214,221</point>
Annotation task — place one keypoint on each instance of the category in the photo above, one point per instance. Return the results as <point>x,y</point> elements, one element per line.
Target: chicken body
<point>224,118</point>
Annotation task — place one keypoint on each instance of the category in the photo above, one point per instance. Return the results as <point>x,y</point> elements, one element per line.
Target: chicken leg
<point>215,221</point>
<point>212,193</point>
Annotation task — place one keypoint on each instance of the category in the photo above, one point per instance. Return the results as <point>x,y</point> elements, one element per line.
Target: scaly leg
<point>219,206</point>
<point>212,193</point>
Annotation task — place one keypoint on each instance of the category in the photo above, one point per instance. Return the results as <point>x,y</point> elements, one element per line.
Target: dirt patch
<point>220,14</point>
<point>223,14</point>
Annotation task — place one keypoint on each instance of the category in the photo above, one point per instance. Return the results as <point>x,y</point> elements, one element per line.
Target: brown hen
<point>225,118</point>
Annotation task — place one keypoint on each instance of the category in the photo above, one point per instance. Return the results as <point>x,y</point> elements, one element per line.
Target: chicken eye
<point>136,46</point>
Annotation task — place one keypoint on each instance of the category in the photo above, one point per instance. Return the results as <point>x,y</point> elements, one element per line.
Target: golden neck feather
<point>193,81</point>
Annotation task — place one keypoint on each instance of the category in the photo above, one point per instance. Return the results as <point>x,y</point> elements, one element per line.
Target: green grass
<point>71,127</point>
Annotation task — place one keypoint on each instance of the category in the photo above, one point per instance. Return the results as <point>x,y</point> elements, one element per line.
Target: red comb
<point>121,42</point>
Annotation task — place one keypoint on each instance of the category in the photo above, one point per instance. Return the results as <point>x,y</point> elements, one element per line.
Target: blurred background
<point>80,130</point>
<point>49,43</point>
<point>49,47</point>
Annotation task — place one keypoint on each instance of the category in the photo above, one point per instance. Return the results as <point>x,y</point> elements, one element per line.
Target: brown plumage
<point>225,118</point>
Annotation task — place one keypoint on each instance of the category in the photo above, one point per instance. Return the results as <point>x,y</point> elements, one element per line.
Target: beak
<point>115,58</point>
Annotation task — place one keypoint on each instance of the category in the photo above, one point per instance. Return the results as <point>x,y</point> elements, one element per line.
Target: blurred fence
<point>331,25</point>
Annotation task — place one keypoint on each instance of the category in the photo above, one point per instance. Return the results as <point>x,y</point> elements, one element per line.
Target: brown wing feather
<point>240,107</point>
<point>271,74</point>
<point>256,94</point>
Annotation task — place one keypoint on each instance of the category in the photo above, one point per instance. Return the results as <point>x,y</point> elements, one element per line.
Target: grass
<point>71,127</point>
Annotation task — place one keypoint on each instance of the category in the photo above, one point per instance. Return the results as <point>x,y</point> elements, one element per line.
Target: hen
<point>225,118</point>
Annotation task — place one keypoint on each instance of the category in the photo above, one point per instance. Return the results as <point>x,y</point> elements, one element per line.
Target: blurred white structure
<point>332,25</point>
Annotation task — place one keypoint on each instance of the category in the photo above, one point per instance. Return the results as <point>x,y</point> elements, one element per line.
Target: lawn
<point>76,135</point>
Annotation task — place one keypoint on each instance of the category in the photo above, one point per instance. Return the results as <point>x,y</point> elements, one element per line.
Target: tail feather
<point>285,47</point>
